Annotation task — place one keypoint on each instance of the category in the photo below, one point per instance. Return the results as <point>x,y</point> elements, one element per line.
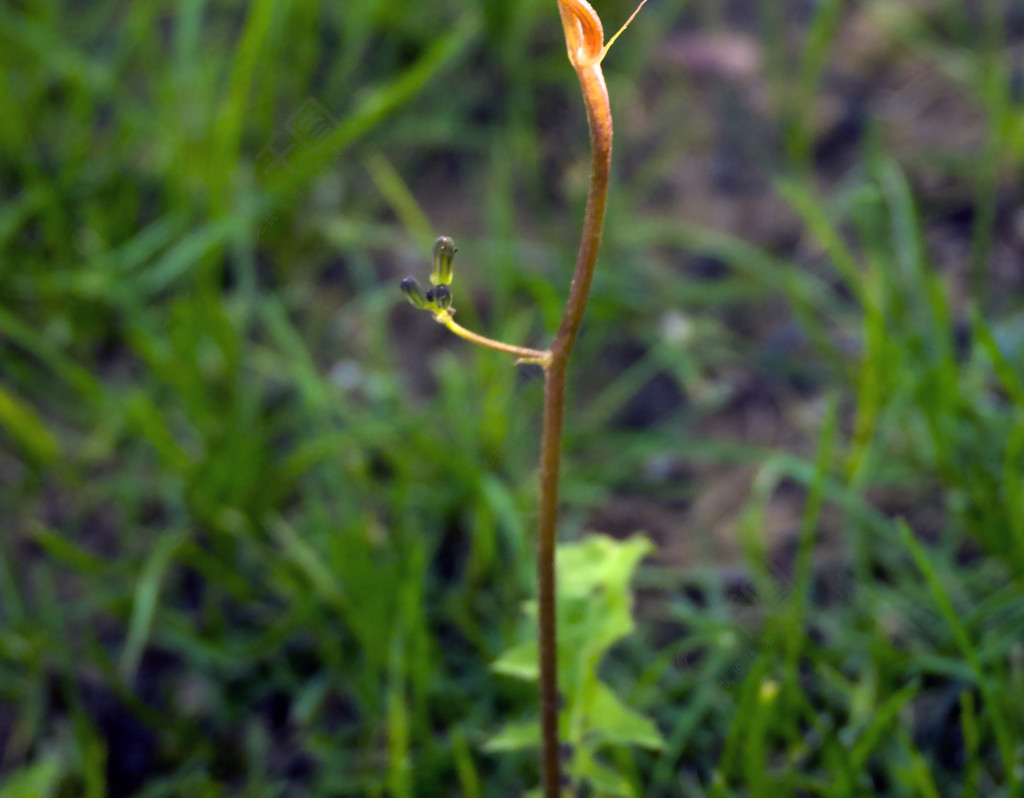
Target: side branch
<point>525,355</point>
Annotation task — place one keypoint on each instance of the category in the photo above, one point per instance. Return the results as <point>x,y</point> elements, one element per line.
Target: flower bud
<point>444,261</point>
<point>413,292</point>
<point>442,297</point>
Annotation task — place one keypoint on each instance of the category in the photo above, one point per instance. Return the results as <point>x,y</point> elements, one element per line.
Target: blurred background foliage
<point>265,528</point>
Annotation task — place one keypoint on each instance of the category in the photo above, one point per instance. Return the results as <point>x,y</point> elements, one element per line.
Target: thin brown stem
<point>550,456</point>
<point>584,39</point>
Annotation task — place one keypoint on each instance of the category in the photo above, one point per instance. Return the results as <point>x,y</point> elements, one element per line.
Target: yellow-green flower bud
<point>413,292</point>
<point>442,297</point>
<point>444,261</point>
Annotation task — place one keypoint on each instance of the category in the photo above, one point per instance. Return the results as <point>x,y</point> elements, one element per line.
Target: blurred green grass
<point>264,532</point>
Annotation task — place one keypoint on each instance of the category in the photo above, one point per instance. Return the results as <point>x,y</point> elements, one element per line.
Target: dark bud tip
<point>444,261</point>
<point>413,292</point>
<point>442,296</point>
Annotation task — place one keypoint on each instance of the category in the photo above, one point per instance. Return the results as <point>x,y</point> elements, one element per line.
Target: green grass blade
<point>993,703</point>
<point>144,605</point>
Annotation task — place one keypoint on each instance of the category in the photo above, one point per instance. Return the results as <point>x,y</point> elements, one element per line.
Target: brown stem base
<point>551,446</point>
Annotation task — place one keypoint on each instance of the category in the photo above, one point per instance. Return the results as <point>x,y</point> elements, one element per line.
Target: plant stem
<point>525,355</point>
<point>550,455</point>
<point>595,96</point>
<point>584,39</point>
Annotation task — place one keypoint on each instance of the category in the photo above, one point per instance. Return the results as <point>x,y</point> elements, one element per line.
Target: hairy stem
<point>595,96</point>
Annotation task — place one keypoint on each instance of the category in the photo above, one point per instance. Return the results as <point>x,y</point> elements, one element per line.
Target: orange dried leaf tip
<point>584,35</point>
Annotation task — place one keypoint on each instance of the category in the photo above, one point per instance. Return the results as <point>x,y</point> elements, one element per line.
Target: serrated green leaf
<point>599,561</point>
<point>594,612</point>
<point>595,602</point>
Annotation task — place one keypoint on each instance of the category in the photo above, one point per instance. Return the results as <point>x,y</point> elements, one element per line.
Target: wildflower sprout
<point>438,298</point>
<point>444,261</point>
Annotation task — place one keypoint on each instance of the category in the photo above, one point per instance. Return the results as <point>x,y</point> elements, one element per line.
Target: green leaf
<point>515,737</point>
<point>519,662</point>
<point>594,612</point>
<point>599,562</point>
<point>607,782</point>
<point>613,723</point>
<point>595,606</point>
